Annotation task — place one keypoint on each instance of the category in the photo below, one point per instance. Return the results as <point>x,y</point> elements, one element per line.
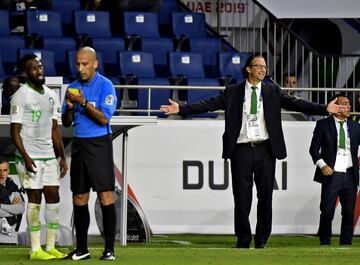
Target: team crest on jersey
<point>51,100</point>
<point>14,109</point>
<point>109,100</point>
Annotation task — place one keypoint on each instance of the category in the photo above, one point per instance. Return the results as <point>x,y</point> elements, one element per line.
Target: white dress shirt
<point>321,163</point>
<point>243,138</point>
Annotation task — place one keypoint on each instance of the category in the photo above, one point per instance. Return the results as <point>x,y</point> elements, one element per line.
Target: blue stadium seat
<point>231,64</point>
<point>2,73</point>
<point>44,23</point>
<point>67,8</point>
<point>167,7</point>
<point>96,25</point>
<point>209,49</point>
<point>191,66</point>
<point>145,25</point>
<point>93,23</point>
<point>46,57</point>
<point>109,49</point>
<point>5,23</point>
<point>9,44</point>
<point>189,24</point>
<point>141,65</point>
<point>159,48</point>
<point>47,25</point>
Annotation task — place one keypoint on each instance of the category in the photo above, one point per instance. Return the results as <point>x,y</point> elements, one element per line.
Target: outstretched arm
<point>171,109</point>
<point>334,108</point>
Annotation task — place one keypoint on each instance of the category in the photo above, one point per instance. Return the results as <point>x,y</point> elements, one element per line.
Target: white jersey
<point>35,111</point>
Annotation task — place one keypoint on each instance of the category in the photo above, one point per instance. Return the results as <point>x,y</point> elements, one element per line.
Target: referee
<point>88,106</point>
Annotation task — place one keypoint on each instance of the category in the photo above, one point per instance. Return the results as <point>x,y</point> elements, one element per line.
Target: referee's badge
<point>109,100</point>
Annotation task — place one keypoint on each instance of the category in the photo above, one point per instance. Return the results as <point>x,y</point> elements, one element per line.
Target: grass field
<point>208,250</point>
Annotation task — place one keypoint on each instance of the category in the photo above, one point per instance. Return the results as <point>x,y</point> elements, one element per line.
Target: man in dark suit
<point>334,149</point>
<point>253,140</point>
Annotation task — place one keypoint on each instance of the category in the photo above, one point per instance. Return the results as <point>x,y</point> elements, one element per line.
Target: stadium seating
<point>230,66</point>
<point>190,66</point>
<point>95,24</point>
<point>47,59</point>
<point>109,49</point>
<point>47,26</point>
<point>2,73</point>
<point>190,31</point>
<point>159,48</point>
<point>167,7</point>
<point>209,49</point>
<point>140,65</point>
<point>145,26</point>
<point>67,8</point>
<point>190,24</point>
<point>9,44</point>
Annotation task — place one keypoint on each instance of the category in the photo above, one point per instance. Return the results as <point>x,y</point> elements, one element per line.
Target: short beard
<point>36,82</point>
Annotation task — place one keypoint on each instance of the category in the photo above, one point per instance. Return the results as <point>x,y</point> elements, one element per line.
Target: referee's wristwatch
<point>84,104</point>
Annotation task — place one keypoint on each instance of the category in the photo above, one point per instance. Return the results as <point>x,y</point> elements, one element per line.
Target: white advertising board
<point>159,157</point>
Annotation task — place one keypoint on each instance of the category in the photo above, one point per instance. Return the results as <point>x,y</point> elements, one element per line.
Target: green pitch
<point>208,250</point>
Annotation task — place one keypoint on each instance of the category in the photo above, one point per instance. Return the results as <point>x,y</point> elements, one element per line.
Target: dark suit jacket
<point>324,146</point>
<point>232,99</point>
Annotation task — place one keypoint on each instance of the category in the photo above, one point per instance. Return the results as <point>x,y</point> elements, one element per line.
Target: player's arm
<point>15,129</point>
<point>68,109</point>
<point>59,147</point>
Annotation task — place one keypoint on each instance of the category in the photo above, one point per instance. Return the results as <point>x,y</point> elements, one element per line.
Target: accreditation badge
<point>253,127</point>
<point>341,162</point>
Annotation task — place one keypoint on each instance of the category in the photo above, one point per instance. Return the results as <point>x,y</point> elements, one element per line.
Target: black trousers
<point>344,186</point>
<point>249,164</point>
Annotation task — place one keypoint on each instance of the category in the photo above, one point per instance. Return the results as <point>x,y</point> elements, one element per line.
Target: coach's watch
<point>84,104</point>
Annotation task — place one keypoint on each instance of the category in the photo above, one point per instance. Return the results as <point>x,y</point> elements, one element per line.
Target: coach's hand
<point>327,171</point>
<point>173,108</point>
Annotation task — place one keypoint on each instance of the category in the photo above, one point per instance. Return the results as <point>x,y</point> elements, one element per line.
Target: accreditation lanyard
<point>342,159</point>
<point>252,121</point>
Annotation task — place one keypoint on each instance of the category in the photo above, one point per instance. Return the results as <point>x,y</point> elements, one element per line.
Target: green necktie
<point>341,135</point>
<point>253,107</point>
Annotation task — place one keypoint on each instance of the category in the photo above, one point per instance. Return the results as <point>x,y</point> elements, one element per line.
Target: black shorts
<point>92,165</point>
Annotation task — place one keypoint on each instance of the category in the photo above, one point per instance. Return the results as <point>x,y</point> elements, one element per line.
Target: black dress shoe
<point>345,243</point>
<point>260,245</point>
<point>242,245</point>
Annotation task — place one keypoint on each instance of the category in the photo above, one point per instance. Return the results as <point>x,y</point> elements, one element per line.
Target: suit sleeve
<point>202,106</point>
<point>316,144</point>
<point>296,104</point>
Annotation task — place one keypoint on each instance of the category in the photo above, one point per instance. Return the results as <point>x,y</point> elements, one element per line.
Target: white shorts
<point>47,174</point>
